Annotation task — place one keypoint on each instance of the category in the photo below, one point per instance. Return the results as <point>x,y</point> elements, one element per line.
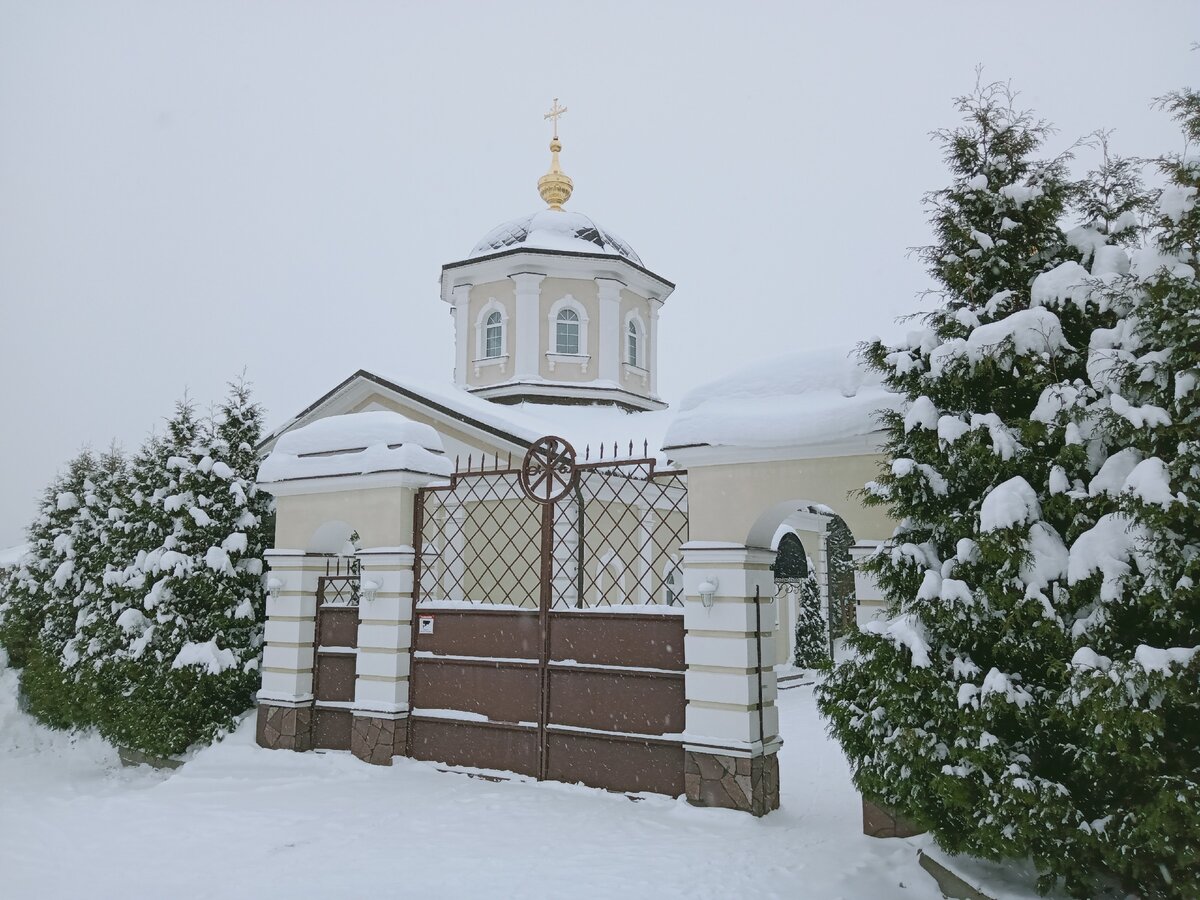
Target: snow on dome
<point>819,400</point>
<point>355,444</point>
<point>551,229</point>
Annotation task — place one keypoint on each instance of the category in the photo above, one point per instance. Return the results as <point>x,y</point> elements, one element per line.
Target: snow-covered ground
<point>238,821</point>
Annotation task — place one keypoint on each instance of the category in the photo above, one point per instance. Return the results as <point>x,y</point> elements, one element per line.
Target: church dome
<point>554,229</point>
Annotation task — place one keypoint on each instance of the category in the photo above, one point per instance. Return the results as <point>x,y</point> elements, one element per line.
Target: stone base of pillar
<point>749,784</point>
<point>881,822</point>
<point>376,740</point>
<point>284,727</point>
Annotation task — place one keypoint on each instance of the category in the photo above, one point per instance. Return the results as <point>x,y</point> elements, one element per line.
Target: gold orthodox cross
<point>555,112</point>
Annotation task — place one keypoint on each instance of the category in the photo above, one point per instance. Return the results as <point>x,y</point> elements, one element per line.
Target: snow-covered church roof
<point>586,426</point>
<point>361,443</point>
<point>822,402</point>
<point>554,229</point>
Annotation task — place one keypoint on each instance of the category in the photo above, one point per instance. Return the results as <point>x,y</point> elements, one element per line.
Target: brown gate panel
<point>612,700</point>
<point>331,728</point>
<point>614,763</point>
<point>337,626</point>
<point>497,632</point>
<point>504,692</point>
<point>334,676</point>
<point>618,639</point>
<point>483,745</point>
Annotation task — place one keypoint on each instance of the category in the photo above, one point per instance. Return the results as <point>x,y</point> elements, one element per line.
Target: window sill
<point>636,372</point>
<point>579,359</point>
<point>489,361</point>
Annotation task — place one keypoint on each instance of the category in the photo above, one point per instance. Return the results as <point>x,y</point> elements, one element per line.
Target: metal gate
<point>335,653</point>
<point>548,627</point>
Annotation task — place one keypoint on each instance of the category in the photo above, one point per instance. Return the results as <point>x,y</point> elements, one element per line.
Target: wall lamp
<point>369,589</point>
<point>708,590</point>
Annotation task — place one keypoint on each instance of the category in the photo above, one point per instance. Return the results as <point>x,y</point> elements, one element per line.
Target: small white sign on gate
<point>425,625</point>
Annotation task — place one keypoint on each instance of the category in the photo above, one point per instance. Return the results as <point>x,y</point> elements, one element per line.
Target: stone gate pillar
<point>732,725</point>
<point>285,702</point>
<point>384,643</point>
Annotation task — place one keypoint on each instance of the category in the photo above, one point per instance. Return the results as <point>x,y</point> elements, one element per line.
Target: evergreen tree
<point>842,595</point>
<point>812,639</point>
<point>1133,703</point>
<point>139,607</point>
<point>191,661</point>
<point>52,584</point>
<point>946,710</point>
<point>794,574</point>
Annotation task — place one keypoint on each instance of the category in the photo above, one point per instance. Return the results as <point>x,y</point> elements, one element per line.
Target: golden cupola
<point>555,186</point>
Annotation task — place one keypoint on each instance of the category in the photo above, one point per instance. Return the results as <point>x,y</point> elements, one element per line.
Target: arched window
<point>631,343</point>
<point>566,334</point>
<point>493,336</point>
<point>791,562</point>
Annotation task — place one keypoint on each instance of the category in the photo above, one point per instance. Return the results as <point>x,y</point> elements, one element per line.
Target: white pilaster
<point>610,336</point>
<point>645,539</point>
<point>464,340</point>
<point>525,343</point>
<point>652,346</point>
<point>287,672</point>
<point>384,631</point>
<point>729,649</point>
<point>823,580</point>
<point>566,554</point>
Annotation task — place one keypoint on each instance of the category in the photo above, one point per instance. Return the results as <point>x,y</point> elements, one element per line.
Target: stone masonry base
<point>732,782</point>
<point>284,727</point>
<point>376,741</point>
<point>881,822</point>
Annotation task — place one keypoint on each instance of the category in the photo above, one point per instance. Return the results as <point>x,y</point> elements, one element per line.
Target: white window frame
<point>638,369</point>
<point>582,358</point>
<point>495,319</point>
<point>481,358</point>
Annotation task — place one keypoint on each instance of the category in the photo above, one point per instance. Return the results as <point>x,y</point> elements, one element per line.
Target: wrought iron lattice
<point>617,537</point>
<point>601,534</point>
<point>480,540</point>
<point>341,582</point>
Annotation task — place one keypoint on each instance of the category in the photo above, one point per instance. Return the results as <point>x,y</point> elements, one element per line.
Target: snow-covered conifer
<point>812,638</point>
<point>794,575</point>
<point>190,661</point>
<point>1132,708</point>
<point>945,710</point>
<point>52,583</point>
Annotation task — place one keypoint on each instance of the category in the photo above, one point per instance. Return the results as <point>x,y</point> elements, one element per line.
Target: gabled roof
<point>516,426</point>
<point>441,401</point>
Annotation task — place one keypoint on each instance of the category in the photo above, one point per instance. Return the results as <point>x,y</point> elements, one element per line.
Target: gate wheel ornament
<point>548,471</point>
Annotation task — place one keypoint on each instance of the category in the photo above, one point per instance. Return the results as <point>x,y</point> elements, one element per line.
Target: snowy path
<point>239,821</point>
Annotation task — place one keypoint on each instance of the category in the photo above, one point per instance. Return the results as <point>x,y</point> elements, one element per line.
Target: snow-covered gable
<point>355,444</point>
<point>497,428</point>
<point>817,402</point>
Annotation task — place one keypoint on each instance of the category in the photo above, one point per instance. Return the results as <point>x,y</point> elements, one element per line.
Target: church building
<point>539,570</point>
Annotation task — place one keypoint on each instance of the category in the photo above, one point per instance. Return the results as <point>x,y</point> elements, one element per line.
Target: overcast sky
<point>190,188</point>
